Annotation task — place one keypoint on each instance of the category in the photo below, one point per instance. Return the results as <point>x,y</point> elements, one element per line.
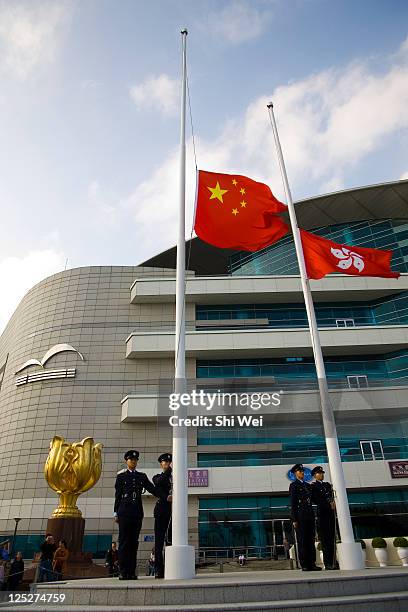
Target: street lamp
<point>17,520</point>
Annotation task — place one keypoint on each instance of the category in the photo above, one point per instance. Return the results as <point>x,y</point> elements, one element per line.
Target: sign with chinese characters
<point>197,478</point>
<point>398,469</point>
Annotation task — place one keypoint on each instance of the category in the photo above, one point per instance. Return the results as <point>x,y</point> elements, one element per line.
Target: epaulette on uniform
<point>121,471</point>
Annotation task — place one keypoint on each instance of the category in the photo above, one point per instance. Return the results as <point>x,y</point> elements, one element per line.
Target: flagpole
<point>349,551</point>
<point>180,557</point>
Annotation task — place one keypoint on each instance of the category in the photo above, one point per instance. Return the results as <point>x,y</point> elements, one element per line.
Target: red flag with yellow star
<point>235,212</point>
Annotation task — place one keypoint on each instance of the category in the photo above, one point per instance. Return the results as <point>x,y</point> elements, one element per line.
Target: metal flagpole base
<point>349,555</point>
<point>180,562</point>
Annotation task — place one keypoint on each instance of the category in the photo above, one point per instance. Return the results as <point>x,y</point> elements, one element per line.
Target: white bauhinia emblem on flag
<point>348,258</point>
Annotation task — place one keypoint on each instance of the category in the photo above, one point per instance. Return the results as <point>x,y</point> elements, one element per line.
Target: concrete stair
<point>361,591</point>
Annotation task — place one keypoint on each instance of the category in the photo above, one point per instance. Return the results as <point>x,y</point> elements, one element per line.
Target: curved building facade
<point>246,324</point>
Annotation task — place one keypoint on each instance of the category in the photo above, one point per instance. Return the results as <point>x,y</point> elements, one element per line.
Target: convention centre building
<point>246,330</point>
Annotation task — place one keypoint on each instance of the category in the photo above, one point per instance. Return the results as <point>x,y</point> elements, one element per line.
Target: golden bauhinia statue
<point>72,469</point>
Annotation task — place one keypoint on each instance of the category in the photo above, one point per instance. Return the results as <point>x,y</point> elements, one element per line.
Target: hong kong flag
<point>235,212</point>
<point>324,256</point>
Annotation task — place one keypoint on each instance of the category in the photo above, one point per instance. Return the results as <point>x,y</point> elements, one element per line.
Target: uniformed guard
<point>129,512</point>
<point>322,496</point>
<point>303,519</point>
<point>162,512</point>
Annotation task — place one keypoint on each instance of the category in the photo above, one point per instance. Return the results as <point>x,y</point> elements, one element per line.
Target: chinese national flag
<point>235,212</point>
<point>323,256</point>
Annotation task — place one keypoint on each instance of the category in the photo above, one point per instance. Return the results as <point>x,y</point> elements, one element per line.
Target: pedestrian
<point>162,512</point>
<point>59,562</point>
<point>2,575</point>
<point>303,519</point>
<point>128,512</point>
<point>112,560</point>
<point>48,548</point>
<point>5,550</point>
<point>16,572</point>
<point>322,496</point>
<point>151,565</point>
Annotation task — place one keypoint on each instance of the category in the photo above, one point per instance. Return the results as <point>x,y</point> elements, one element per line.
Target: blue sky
<point>89,115</point>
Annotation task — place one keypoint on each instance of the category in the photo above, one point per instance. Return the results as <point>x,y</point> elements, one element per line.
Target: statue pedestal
<point>70,529</point>
<point>79,564</point>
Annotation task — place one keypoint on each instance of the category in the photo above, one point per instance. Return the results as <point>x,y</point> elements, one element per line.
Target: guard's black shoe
<point>316,568</point>
<point>134,577</point>
<point>159,576</point>
<point>123,577</point>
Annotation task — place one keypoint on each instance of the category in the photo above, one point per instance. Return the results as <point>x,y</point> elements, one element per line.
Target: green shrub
<point>400,542</point>
<point>378,543</point>
<point>319,546</point>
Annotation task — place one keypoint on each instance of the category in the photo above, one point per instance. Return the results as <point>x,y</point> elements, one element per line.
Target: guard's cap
<point>165,457</point>
<point>318,469</point>
<point>297,467</point>
<point>131,454</point>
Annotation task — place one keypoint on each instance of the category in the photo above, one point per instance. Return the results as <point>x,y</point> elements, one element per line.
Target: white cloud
<point>30,34</point>
<point>19,274</point>
<point>328,122</point>
<point>154,203</point>
<point>404,177</point>
<point>238,22</point>
<point>100,203</point>
<point>157,92</point>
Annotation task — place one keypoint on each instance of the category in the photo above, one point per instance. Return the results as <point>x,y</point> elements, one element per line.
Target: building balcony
<point>265,289</point>
<point>267,342</point>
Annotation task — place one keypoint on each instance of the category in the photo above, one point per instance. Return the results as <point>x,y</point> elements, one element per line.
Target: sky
<point>89,116</point>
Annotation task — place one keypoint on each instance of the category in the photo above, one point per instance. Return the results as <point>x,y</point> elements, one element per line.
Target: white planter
<point>381,555</point>
<point>403,555</point>
<point>364,556</point>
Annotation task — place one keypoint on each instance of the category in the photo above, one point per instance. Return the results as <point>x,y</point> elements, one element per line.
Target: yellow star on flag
<point>217,192</point>
<point>234,182</point>
<point>243,203</point>
<point>235,211</point>
<point>242,190</point>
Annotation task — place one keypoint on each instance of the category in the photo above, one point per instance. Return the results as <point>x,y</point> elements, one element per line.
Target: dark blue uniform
<point>129,509</point>
<point>322,496</point>
<point>162,518</point>
<point>302,514</point>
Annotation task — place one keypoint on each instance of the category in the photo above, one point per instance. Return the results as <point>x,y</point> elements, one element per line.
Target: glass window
<point>357,382</point>
<point>372,450</point>
<point>345,322</point>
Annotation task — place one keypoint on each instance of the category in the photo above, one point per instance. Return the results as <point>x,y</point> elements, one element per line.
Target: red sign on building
<point>398,469</point>
<point>197,478</point>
